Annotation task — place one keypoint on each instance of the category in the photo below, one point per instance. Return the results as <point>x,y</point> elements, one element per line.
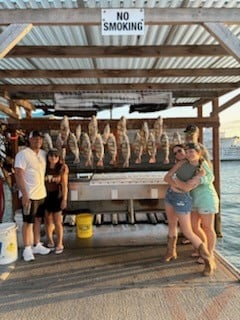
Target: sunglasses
<point>178,151</point>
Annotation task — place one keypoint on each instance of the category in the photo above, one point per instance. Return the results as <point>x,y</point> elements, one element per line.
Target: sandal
<point>51,246</point>
<point>200,260</point>
<point>59,250</point>
<point>195,254</point>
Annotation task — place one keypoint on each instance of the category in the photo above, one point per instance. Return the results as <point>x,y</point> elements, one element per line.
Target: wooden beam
<point>200,102</point>
<point>5,109</point>
<point>171,123</point>
<point>27,105</point>
<point>120,73</point>
<point>229,103</point>
<point>11,36</point>
<point>92,16</point>
<point>121,86</point>
<point>226,38</point>
<point>45,95</point>
<point>116,51</point>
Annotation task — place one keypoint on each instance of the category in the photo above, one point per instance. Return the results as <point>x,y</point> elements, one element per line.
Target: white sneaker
<point>28,254</point>
<point>40,249</point>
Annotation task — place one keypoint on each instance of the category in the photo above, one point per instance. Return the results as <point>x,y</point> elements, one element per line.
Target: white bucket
<point>8,243</point>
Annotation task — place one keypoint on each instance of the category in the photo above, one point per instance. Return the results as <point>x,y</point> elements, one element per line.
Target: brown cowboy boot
<point>171,253</point>
<point>209,266</point>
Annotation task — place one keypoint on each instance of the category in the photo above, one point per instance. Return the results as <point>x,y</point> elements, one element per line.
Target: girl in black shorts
<point>56,180</point>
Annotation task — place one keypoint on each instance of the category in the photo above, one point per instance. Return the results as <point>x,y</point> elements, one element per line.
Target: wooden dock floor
<point>104,278</point>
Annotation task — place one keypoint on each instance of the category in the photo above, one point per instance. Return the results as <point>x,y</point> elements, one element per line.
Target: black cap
<point>53,152</point>
<point>191,128</point>
<point>34,134</point>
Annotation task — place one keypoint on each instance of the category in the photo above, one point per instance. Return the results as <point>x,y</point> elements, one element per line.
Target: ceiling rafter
<point>92,16</point>
<point>207,88</point>
<point>116,51</point>
<point>119,73</point>
<point>229,103</point>
<point>11,36</point>
<point>7,110</point>
<point>228,40</point>
<point>215,21</point>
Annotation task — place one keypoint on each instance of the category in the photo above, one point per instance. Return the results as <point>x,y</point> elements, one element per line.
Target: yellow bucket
<point>84,225</point>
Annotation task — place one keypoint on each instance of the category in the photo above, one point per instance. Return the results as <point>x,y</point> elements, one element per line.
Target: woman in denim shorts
<point>183,177</point>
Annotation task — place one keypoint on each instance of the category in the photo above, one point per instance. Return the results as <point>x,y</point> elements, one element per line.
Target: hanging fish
<point>151,148</point>
<point>93,129</point>
<point>64,129</point>
<point>86,149</point>
<point>47,142</point>
<point>121,129</point>
<point>62,137</point>
<point>99,150</point>
<point>176,139</point>
<point>137,147</point>
<point>73,146</point>
<point>144,133</point>
<point>112,148</point>
<point>61,146</point>
<point>164,140</point>
<point>126,151</point>
<point>64,123</point>
<point>63,153</point>
<point>158,128</point>
<point>78,133</point>
<point>106,133</point>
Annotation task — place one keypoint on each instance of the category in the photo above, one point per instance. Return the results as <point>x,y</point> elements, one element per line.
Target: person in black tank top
<point>56,181</point>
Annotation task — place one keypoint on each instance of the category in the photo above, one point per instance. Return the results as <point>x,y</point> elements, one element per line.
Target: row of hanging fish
<point>149,141</point>
<point>93,145</point>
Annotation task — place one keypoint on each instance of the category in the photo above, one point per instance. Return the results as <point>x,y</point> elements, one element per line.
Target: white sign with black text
<point>122,22</point>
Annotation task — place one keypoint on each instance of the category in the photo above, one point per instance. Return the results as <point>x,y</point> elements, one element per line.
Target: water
<point>229,245</point>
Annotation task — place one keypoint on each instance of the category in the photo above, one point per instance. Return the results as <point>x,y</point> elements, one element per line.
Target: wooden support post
<point>200,111</point>
<point>216,165</point>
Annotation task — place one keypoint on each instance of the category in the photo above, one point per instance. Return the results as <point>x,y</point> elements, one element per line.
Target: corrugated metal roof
<point>155,35</point>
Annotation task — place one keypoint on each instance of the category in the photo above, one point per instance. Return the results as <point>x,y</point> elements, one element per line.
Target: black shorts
<point>37,210</point>
<point>53,202</point>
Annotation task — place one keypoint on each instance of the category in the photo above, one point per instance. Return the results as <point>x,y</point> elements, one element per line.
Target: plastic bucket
<point>84,225</point>
<point>8,243</point>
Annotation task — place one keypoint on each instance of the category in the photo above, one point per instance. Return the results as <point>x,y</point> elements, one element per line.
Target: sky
<point>229,118</point>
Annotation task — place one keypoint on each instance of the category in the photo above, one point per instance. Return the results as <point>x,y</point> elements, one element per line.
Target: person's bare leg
<point>58,220</point>
<point>208,227</point>
<point>36,230</point>
<point>171,252</point>
<point>49,225</point>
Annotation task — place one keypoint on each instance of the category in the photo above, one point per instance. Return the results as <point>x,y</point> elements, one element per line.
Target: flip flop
<point>195,254</point>
<point>51,246</point>
<point>200,260</point>
<point>59,250</point>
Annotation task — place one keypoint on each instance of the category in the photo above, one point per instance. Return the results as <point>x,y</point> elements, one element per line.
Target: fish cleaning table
<point>117,191</point>
<point>119,186</point>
